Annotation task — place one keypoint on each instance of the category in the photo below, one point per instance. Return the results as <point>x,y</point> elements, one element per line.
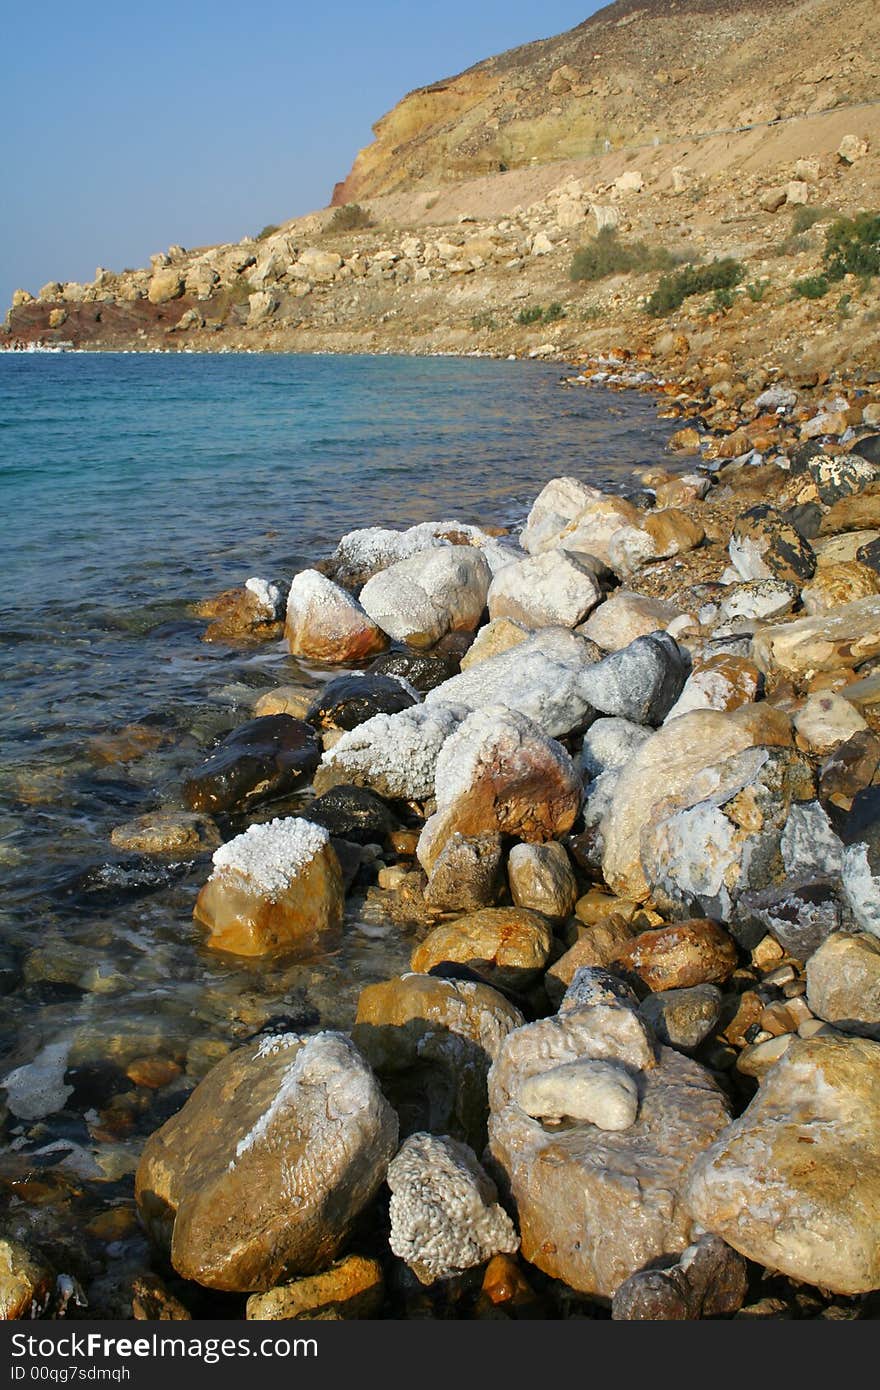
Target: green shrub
<point>351,217</point>
<point>673,290</point>
<point>722,300</point>
<point>484,319</point>
<point>269,230</point>
<point>536,313</point>
<point>852,246</point>
<point>812,287</point>
<point>843,306</point>
<point>607,255</point>
<point>806,217</point>
<point>757,289</point>
<point>791,246</point>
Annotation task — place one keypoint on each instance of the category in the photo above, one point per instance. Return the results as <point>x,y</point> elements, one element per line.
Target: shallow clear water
<point>130,486</point>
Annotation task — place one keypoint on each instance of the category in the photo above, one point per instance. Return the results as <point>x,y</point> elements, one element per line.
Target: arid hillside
<point>633,73</point>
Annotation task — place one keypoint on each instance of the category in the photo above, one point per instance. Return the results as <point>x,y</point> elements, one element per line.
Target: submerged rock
<point>265,1169</point>
<point>261,760</point>
<point>278,885</point>
<point>166,832</point>
<point>444,1212</point>
<point>794,1183</point>
<point>26,1282</point>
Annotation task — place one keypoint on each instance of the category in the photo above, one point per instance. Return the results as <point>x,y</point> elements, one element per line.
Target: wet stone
<point>467,873</point>
<point>263,759</point>
<point>353,813</point>
<point>423,670</point>
<point>348,701</point>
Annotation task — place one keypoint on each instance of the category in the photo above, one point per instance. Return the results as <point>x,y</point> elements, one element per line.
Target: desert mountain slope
<point>634,73</point>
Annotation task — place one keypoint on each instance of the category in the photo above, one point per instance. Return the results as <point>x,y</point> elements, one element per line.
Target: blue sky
<point>129,128</point>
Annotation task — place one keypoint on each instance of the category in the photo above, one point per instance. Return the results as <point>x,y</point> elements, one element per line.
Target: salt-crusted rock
<point>826,720</point>
<point>710,841</point>
<point>548,590</point>
<point>654,536</point>
<point>276,886</point>
<point>593,988</point>
<point>351,1288</point>
<point>259,761</point>
<point>508,945</point>
<point>325,623</point>
<point>251,611</point>
<point>498,636</point>
<point>431,1041</point>
<point>710,1280</point>
<point>541,878</point>
<point>860,877</point>
<point>843,983</point>
<point>589,1092</point>
<point>265,1169</point>
<point>675,957</point>
<point>541,678</point>
<point>499,773</point>
<point>625,616</point>
<point>576,516</point>
<point>764,545</point>
<point>363,553</point>
<point>350,700</point>
<point>664,766</point>
<point>467,874</point>
<point>420,599</point>
<point>757,600</point>
<point>829,642</point>
<point>640,682</point>
<point>444,1212</point>
<point>683,1017</point>
<point>26,1283</point>
<point>393,754</point>
<point>721,682</point>
<point>609,744</point>
<point>794,1183</point>
<point>835,585</point>
<point>596,1205</point>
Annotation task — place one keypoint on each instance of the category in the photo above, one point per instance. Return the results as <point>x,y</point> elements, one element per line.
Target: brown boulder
<point>677,956</point>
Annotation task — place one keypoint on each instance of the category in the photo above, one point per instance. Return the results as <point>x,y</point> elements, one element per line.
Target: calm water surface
<point>130,486</point>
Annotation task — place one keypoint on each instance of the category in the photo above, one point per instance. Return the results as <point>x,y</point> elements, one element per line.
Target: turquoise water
<point>131,486</point>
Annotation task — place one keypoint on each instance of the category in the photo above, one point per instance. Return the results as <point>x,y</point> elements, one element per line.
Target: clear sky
<point>131,127</point>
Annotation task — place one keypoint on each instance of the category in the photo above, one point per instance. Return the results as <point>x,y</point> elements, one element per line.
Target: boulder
<point>763,545</point>
<point>467,874</point>
<point>541,678</point>
<point>541,878</point>
<point>363,553</point>
<point>722,682</point>
<point>261,760</point>
<point>165,285</point>
<point>548,590</point>
<point>26,1282</point>
<point>509,946</point>
<point>499,773</point>
<point>664,766</point>
<point>683,1018</point>
<point>710,1280</point>
<point>445,1217</point>
<point>826,720</point>
<point>829,642</point>
<point>654,536</point>
<point>276,886</point>
<point>431,1041</point>
<point>843,983</point>
<point>351,1288</point>
<point>794,1184</point>
<point>420,670</point>
<point>608,746</point>
<point>393,754</point>
<point>675,957</point>
<point>420,599</point>
<point>324,622</point>
<point>859,511</point>
<point>353,813</point>
<point>835,585</point>
<point>799,913</point>
<point>498,636</point>
<point>264,1171</point>
<point>579,517</point>
<point>756,601</point>
<point>625,616</point>
<point>840,475</point>
<point>350,700</point>
<point>595,1205</point>
<point>249,613</point>
<point>640,682</point>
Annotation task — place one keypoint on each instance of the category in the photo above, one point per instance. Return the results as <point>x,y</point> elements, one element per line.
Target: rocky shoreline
<point>616,779</point>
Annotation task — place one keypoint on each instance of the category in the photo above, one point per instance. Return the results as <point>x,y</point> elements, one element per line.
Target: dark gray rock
<point>423,670</point>
<point>353,813</point>
<point>348,701</point>
<point>683,1018</point>
<point>709,1280</point>
<point>263,759</point>
<point>800,914</point>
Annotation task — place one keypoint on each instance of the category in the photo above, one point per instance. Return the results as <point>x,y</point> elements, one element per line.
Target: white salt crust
<point>310,589</point>
<point>401,748</point>
<point>267,595</point>
<point>270,856</point>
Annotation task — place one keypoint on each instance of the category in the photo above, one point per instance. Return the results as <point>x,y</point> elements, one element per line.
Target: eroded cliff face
<point>634,72</point>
